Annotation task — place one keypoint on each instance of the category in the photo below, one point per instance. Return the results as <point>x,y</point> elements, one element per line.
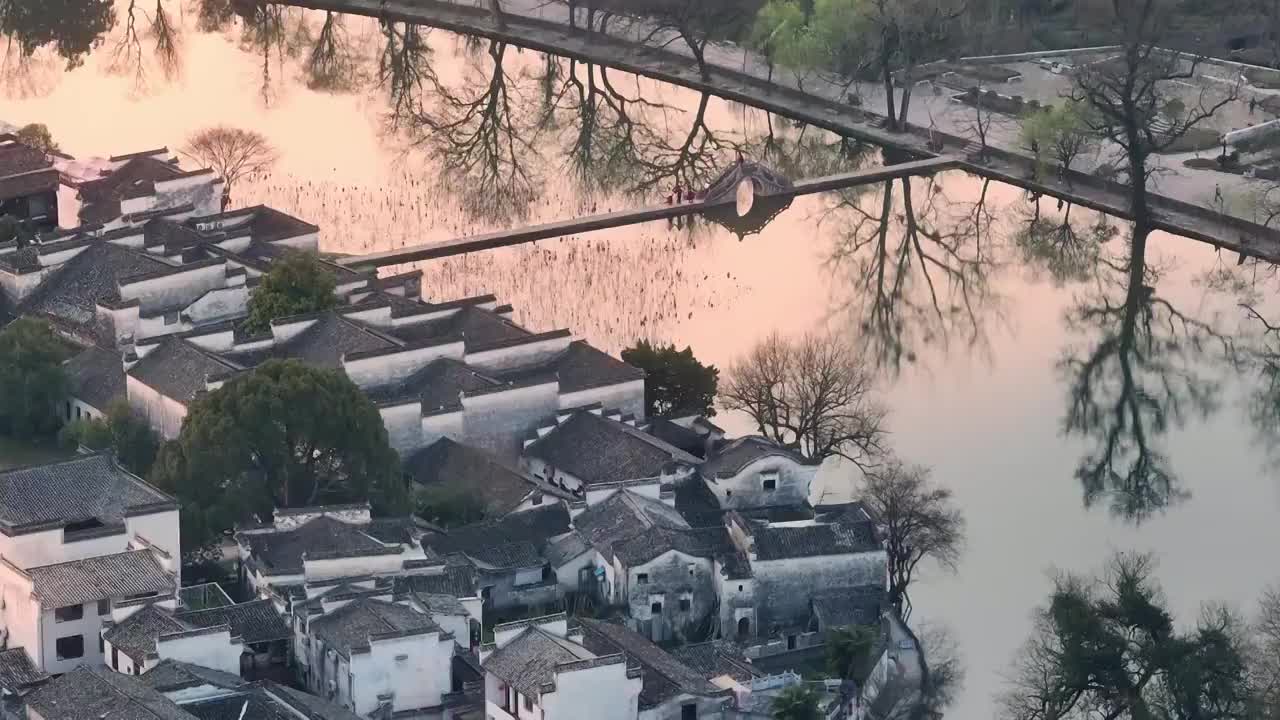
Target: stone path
<point>739,76</point>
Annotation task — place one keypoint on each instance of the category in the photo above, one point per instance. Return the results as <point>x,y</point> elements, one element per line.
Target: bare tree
<point>981,119</point>
<point>918,519</point>
<point>1265,656</point>
<point>232,152</point>
<point>1145,368</point>
<point>404,69</point>
<point>917,268</point>
<point>483,139</point>
<point>695,22</point>
<point>927,692</point>
<point>1126,96</point>
<point>811,395</point>
<point>332,64</point>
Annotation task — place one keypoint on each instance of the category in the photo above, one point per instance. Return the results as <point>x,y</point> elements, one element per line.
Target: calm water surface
<point>981,372</point>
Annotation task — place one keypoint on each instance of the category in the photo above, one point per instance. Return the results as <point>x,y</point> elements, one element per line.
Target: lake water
<point>984,377</point>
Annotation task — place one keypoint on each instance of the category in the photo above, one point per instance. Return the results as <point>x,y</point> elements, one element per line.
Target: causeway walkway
<point>527,25</point>
<point>591,223</point>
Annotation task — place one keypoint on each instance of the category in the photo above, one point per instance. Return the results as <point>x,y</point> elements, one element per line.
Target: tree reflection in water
<point>918,268</point>
<point>483,139</point>
<point>1064,250</point>
<point>1144,368</point>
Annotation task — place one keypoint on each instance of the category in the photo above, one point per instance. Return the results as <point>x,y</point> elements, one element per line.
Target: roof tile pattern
<point>528,661</point>
<point>85,487</point>
<point>120,575</point>
<point>664,676</point>
<point>597,449</point>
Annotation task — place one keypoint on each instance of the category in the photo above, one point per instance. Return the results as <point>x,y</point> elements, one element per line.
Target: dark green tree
<point>1111,649</point>
<point>122,431</point>
<point>283,435</point>
<point>72,27</point>
<point>92,433</point>
<point>795,703</point>
<point>675,381</point>
<point>849,649</point>
<point>32,381</point>
<point>297,283</point>
<point>37,135</point>
<point>448,505</point>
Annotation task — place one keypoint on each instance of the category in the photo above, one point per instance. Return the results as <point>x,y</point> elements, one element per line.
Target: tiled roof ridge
<point>82,560</point>
<point>594,623</point>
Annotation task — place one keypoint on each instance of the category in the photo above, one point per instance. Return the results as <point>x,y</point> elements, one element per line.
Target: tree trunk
<point>887,76</point>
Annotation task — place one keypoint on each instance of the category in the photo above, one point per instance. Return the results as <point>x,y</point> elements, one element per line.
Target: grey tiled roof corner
<point>665,676</point>
<point>730,458</point>
<point>84,487</point>
<point>98,578</point>
<point>528,661</point>
<point>178,369</point>
<point>280,552</point>
<point>254,621</point>
<point>94,693</point>
<point>348,628</point>
<point>18,672</point>
<point>96,376</point>
<point>597,449</point>
<point>784,542</point>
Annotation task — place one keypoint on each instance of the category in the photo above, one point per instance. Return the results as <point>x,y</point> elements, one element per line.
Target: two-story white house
<point>535,670</point>
<point>81,541</point>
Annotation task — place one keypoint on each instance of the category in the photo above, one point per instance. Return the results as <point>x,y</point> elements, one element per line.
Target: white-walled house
<point>671,690</point>
<point>458,369</point>
<point>237,638</point>
<point>82,541</point>
<point>752,472</point>
<point>593,453</point>
<point>535,670</point>
<point>108,192</point>
<point>368,654</point>
<point>325,543</point>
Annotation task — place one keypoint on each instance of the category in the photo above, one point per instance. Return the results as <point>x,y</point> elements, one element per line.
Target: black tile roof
<point>17,159</point>
<point>348,628</point>
<point>508,556</point>
<point>582,367</point>
<point>622,516</point>
<point>535,527</point>
<point>43,181</point>
<point>178,369</point>
<point>597,449</point>
<point>136,635</point>
<point>663,675</point>
<point>324,343</point>
<point>265,224</point>
<point>528,661</point>
<point>316,708</point>
<point>253,704</point>
<point>438,386</point>
<point>451,464</point>
<point>254,622</point>
<point>858,605</point>
<point>774,542</point>
<point>18,672</point>
<point>94,693</point>
<point>120,575</point>
<point>280,551</point>
<point>136,177</point>
<point>717,658</point>
<point>96,376</point>
<point>70,295</point>
<point>457,580</point>
<point>730,458</point>
<point>82,488</point>
<point>477,326</point>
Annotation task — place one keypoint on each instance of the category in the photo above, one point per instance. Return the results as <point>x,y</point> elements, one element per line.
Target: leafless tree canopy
<point>918,518</point>
<point>917,268</point>
<point>812,395</point>
<point>1265,656</point>
<point>1125,95</point>
<point>233,153</point>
